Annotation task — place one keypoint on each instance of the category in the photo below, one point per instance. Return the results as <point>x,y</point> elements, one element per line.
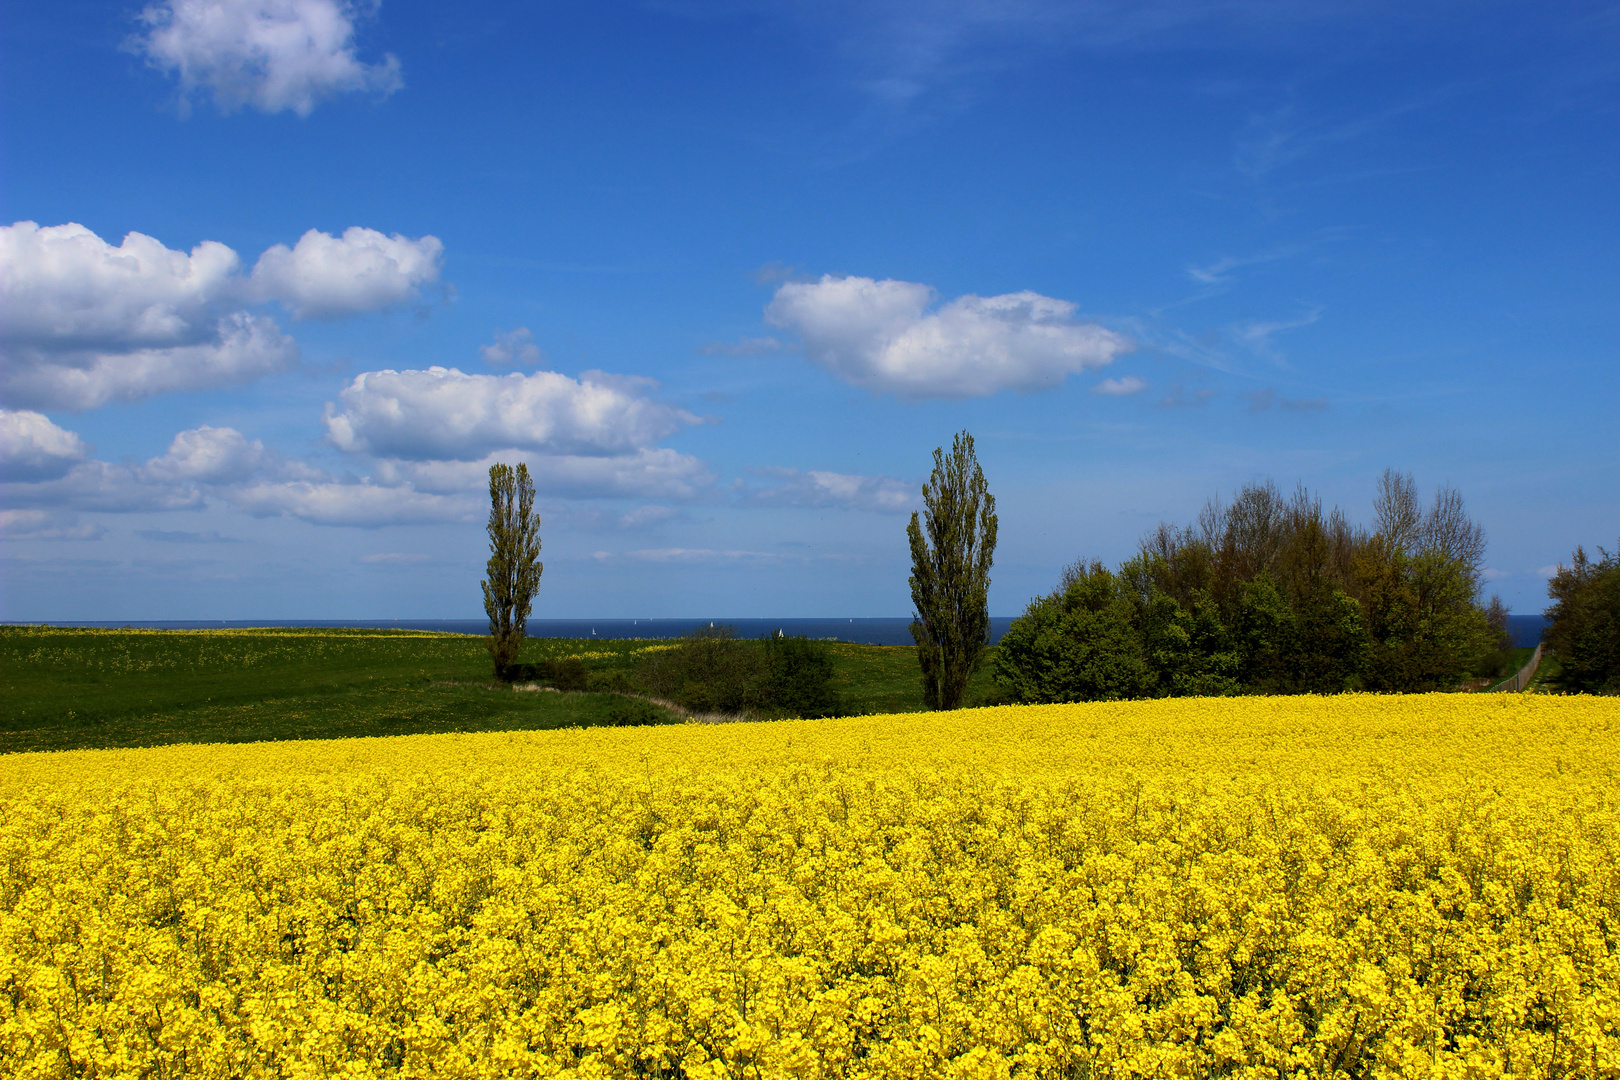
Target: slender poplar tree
<point>950,573</point>
<point>514,562</point>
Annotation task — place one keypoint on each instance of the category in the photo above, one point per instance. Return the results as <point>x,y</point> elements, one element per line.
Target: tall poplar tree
<point>950,573</point>
<point>514,566</point>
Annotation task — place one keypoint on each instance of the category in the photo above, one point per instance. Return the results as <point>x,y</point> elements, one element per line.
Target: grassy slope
<point>885,679</point>
<point>64,689</point>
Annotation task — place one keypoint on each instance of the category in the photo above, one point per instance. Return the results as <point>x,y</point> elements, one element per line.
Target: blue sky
<point>725,273</point>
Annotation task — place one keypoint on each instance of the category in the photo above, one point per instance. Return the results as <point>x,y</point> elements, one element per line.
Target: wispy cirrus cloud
<point>902,53</point>
<point>1265,399</point>
<point>47,525</point>
<point>1220,271</point>
<point>708,556</point>
<point>822,488</point>
<point>1180,398</point>
<point>1256,335</point>
<point>393,558</point>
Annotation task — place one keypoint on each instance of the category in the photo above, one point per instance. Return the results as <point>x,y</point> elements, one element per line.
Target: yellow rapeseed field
<point>1347,886</point>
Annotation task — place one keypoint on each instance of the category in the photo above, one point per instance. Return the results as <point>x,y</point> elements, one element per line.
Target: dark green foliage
<point>1425,631</point>
<point>950,573</point>
<point>568,673</point>
<point>799,677</point>
<point>1329,644</point>
<point>1189,652</point>
<point>1264,627</point>
<point>514,568</point>
<point>631,712</point>
<point>1077,644</point>
<point>712,670</point>
<point>1501,658</point>
<point>1269,595</point>
<point>1584,623</point>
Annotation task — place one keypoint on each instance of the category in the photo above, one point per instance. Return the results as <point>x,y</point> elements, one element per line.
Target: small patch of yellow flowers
<point>1262,887</point>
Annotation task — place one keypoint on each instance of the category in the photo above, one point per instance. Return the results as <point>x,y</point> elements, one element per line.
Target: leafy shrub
<point>1584,623</point>
<point>799,678</point>
<point>568,674</point>
<point>1077,644</point>
<point>712,670</point>
<point>631,712</point>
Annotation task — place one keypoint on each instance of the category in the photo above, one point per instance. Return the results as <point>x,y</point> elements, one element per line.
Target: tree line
<point>1270,593</point>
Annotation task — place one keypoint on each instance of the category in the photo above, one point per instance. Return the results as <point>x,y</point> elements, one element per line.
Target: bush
<point>799,678</point>
<point>631,712</point>
<point>1078,644</point>
<point>1584,623</point>
<point>712,670</point>
<point>568,674</point>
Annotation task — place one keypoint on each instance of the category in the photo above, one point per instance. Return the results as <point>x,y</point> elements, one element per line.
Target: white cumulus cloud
<point>209,455</point>
<point>83,323</point>
<point>324,276</point>
<point>273,55</point>
<point>444,414</point>
<point>822,488</point>
<point>32,448</point>
<point>881,335</point>
<point>241,347</point>
<point>66,287</point>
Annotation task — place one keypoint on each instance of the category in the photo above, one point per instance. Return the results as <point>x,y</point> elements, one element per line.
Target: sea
<point>1526,629</point>
<point>854,631</point>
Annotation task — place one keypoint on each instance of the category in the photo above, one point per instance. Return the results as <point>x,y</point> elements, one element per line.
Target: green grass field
<point>74,688</point>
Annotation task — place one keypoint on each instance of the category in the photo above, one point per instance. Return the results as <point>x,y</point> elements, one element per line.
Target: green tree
<point>800,679</point>
<point>1078,644</point>
<point>1584,623</point>
<point>1425,630</point>
<point>950,573</point>
<point>1266,628</point>
<point>514,566</point>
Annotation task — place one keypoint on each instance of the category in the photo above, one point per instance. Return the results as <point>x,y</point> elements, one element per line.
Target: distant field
<point>73,688</point>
